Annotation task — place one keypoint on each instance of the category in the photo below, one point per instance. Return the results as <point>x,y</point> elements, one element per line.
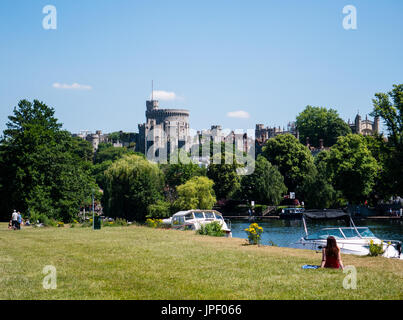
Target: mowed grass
<point>142,263</point>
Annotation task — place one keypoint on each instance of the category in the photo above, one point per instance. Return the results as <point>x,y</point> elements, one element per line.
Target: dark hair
<point>331,247</point>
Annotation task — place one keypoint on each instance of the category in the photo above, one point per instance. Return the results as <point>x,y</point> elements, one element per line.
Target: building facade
<point>262,134</point>
<point>94,138</point>
<point>364,127</point>
<point>164,129</point>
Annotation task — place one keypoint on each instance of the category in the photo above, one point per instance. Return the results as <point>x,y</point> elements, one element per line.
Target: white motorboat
<point>194,219</point>
<point>351,240</point>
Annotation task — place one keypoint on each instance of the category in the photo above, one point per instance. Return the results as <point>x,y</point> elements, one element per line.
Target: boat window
<point>209,215</point>
<point>323,234</point>
<point>198,215</point>
<point>365,232</point>
<point>218,216</point>
<point>189,216</point>
<point>350,232</point>
<point>179,220</point>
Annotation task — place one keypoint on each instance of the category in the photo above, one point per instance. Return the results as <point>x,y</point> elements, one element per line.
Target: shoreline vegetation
<point>138,262</point>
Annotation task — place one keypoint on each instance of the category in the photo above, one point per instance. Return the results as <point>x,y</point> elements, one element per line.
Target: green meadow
<point>143,263</point>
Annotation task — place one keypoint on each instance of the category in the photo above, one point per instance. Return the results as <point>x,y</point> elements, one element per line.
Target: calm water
<point>284,232</point>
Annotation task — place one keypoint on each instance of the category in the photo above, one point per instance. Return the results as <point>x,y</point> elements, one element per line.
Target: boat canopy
<point>342,233</point>
<point>326,214</point>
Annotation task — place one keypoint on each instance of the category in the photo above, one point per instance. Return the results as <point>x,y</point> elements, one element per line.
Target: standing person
<point>331,257</point>
<point>14,219</point>
<point>19,220</point>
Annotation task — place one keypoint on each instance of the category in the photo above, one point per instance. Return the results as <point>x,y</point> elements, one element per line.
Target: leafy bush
<point>211,229</point>
<point>254,233</point>
<point>121,222</point>
<point>36,217</point>
<point>154,223</point>
<point>160,209</point>
<point>375,249</point>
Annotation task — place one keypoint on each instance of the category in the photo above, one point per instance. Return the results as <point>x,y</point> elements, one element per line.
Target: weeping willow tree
<point>132,184</point>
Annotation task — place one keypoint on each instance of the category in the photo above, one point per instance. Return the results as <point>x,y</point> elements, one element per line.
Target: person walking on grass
<point>331,257</point>
<point>14,220</point>
<point>19,220</point>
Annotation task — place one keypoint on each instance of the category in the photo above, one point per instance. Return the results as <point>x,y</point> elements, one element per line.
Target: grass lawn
<point>142,263</point>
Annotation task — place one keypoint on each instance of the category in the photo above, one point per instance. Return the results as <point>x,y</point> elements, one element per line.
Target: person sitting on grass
<point>331,257</point>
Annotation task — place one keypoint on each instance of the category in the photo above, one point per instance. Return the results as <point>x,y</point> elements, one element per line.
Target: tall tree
<point>317,190</point>
<point>352,168</point>
<point>226,180</point>
<point>42,167</point>
<point>132,185</point>
<point>265,185</point>
<point>321,123</point>
<point>390,108</point>
<point>293,159</point>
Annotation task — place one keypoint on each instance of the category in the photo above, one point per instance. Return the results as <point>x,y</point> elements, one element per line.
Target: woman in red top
<point>331,257</point>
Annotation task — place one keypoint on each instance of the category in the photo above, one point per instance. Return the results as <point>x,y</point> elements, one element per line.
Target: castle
<point>364,127</point>
<point>94,138</point>
<point>263,134</point>
<point>164,128</point>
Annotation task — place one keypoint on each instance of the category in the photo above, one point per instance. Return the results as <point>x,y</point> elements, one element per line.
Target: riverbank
<point>143,263</point>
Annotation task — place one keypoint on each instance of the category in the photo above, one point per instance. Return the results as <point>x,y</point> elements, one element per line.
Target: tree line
<point>43,169</point>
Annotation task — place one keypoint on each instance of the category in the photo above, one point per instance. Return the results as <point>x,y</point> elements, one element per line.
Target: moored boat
<point>291,213</point>
<point>351,240</point>
<point>194,219</point>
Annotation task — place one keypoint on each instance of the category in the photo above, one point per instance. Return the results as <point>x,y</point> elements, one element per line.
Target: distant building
<point>164,128</point>
<point>364,127</point>
<point>216,135</point>
<point>94,138</point>
<point>262,134</point>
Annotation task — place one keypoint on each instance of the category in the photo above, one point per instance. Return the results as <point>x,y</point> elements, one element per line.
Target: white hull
<point>348,246</point>
<point>194,219</point>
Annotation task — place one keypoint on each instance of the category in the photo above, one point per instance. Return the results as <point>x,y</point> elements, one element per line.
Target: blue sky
<point>267,58</point>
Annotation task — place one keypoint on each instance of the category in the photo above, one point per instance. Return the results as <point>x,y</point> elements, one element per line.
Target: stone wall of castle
<point>164,128</point>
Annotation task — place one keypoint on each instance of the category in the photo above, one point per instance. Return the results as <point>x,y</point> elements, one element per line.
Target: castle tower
<point>376,124</point>
<point>357,123</point>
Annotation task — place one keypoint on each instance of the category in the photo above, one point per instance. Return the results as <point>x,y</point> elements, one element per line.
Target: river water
<point>284,232</point>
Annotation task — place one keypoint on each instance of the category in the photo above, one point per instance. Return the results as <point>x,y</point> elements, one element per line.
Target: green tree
<point>106,153</point>
<point>197,193</point>
<point>321,123</point>
<point>226,180</point>
<point>384,155</point>
<point>317,190</point>
<point>178,173</point>
<point>292,158</point>
<point>132,184</point>
<point>159,210</point>
<point>42,167</point>
<point>352,168</point>
<point>104,157</point>
<point>390,108</point>
<point>265,185</point>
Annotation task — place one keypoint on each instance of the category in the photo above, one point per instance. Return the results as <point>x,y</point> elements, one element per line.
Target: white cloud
<point>240,114</point>
<point>164,95</point>
<point>74,86</point>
